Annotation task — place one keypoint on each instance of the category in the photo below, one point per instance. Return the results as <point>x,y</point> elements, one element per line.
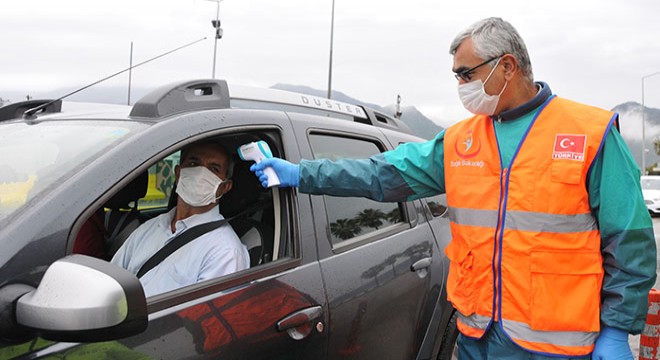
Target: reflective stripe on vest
<point>519,330</point>
<point>475,325</point>
<point>524,220</point>
<point>528,227</point>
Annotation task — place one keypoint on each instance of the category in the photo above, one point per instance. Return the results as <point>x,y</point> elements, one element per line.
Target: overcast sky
<point>587,50</point>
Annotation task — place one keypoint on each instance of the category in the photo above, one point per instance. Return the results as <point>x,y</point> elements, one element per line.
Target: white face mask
<point>474,96</point>
<point>197,186</point>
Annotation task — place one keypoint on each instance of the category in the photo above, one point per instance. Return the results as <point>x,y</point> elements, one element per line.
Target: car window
<point>651,183</point>
<point>161,180</point>
<point>351,217</point>
<point>258,216</point>
<point>34,157</point>
<point>438,205</point>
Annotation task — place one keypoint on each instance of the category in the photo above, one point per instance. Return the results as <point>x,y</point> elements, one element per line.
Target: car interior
<point>121,215</point>
<point>253,211</point>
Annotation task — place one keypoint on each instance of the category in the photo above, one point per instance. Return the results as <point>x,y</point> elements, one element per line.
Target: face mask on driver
<point>474,96</point>
<point>197,186</point>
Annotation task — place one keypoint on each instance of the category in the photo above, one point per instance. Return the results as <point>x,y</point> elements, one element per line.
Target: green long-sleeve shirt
<point>416,170</point>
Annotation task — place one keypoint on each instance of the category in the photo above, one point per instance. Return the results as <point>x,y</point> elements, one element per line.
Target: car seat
<point>121,219</point>
<point>255,235</point>
<point>246,204</point>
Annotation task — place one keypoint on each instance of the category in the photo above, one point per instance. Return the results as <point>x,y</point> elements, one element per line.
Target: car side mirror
<point>81,299</point>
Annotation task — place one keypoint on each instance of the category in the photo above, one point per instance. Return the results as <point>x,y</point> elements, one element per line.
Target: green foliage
<point>345,228</point>
<point>372,218</point>
<point>393,216</point>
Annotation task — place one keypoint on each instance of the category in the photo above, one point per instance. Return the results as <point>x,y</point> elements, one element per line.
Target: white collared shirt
<point>216,253</point>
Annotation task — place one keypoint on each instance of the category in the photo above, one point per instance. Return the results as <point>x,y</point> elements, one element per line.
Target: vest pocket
<point>566,172</point>
<point>461,291</point>
<point>565,291</point>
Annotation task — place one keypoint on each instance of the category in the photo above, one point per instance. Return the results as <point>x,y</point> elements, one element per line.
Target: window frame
<point>441,202</point>
<point>197,291</point>
<point>407,210</point>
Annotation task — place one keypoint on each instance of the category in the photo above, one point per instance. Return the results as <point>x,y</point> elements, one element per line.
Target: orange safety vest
<point>525,247</point>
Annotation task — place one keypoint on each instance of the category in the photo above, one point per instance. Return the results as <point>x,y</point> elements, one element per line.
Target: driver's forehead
<point>205,152</point>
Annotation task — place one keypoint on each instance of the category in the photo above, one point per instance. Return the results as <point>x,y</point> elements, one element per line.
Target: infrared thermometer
<point>257,151</point>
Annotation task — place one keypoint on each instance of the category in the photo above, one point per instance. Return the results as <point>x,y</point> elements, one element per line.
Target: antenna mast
<point>29,113</point>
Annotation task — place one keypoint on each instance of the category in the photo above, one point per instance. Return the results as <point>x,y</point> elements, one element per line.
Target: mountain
<point>418,122</point>
<point>630,124</point>
<point>420,125</point>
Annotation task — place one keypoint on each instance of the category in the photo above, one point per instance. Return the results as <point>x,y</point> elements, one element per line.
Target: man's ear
<point>510,65</point>
<point>177,171</point>
<point>226,186</point>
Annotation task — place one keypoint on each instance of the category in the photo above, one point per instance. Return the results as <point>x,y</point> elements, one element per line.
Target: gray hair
<point>493,37</point>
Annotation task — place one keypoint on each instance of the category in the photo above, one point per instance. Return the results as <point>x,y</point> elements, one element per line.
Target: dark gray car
<point>331,278</point>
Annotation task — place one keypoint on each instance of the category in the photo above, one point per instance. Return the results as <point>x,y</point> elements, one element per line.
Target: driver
<point>202,178</point>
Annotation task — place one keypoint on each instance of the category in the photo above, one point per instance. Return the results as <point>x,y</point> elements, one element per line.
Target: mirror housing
<point>84,299</point>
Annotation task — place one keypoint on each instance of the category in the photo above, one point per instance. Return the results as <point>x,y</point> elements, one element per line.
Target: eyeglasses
<point>466,75</point>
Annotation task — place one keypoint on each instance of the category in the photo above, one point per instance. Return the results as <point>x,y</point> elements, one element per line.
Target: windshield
<point>34,157</point>
<point>651,183</point>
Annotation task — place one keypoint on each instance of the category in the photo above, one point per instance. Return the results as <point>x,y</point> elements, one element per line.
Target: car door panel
<point>240,324</point>
<point>375,305</point>
<point>376,301</point>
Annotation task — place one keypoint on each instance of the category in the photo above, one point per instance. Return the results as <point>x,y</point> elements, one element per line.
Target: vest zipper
<point>497,246</point>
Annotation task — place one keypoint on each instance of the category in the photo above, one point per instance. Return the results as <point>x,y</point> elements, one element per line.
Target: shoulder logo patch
<point>467,148</point>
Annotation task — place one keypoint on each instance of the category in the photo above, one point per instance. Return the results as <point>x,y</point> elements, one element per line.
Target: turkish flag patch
<point>569,147</point>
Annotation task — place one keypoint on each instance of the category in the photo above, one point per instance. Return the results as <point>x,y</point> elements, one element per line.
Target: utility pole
<point>332,32</point>
<point>218,33</point>
<point>130,74</point>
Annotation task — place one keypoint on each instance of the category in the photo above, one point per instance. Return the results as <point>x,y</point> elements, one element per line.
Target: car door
<point>374,257</point>
<point>276,309</point>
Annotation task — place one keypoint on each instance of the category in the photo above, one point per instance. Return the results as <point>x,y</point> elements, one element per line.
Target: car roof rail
<point>16,110</point>
<point>217,94</point>
<point>181,97</point>
<point>380,119</point>
<point>284,97</point>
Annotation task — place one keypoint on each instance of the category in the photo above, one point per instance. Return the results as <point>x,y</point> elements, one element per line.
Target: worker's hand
<point>288,173</point>
<point>612,344</point>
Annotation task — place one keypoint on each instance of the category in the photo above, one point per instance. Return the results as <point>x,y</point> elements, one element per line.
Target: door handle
<point>421,264</point>
<point>299,324</point>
